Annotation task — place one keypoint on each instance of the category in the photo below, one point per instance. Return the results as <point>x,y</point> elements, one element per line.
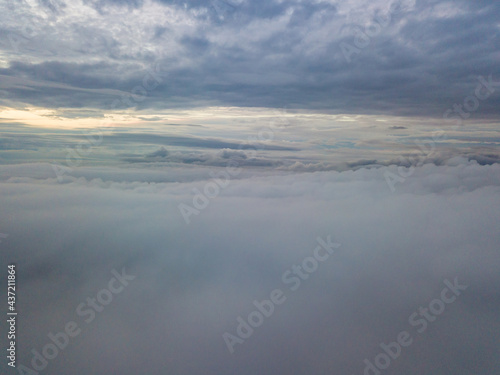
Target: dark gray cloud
<point>161,153</point>
<point>192,142</point>
<point>265,53</point>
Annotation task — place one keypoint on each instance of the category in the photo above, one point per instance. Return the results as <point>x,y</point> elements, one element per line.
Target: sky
<point>241,187</point>
<point>348,81</point>
<point>81,55</point>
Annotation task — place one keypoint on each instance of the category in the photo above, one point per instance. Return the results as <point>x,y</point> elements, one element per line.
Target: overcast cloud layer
<point>425,55</point>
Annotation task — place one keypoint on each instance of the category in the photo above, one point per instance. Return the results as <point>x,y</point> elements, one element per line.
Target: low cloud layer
<point>193,281</point>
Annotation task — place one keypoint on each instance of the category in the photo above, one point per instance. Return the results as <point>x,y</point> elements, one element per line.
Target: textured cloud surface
<point>280,187</point>
<point>398,57</point>
<point>192,281</point>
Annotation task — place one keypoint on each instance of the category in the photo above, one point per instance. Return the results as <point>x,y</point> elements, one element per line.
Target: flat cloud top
<point>194,280</point>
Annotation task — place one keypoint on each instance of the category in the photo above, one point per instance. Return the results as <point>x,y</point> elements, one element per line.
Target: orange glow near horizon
<point>49,118</point>
<point>55,119</point>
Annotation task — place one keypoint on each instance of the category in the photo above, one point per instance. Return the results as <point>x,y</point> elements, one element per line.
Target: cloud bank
<point>193,281</point>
